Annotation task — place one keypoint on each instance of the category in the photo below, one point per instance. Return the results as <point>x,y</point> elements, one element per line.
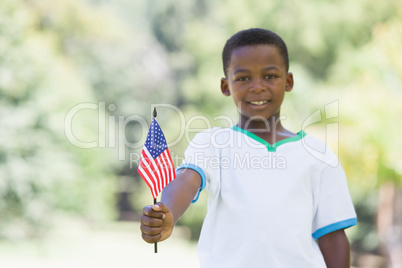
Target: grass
<point>77,244</point>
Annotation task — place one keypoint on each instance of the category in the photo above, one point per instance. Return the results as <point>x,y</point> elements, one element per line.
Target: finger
<point>153,214</point>
<point>146,210</point>
<point>152,231</point>
<point>151,222</point>
<point>159,206</point>
<point>151,238</point>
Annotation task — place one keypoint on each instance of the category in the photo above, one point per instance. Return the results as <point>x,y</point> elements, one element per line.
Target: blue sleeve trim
<point>334,227</point>
<point>199,171</point>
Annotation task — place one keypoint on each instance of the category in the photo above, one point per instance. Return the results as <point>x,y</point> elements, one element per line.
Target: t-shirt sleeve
<point>199,156</point>
<point>335,208</point>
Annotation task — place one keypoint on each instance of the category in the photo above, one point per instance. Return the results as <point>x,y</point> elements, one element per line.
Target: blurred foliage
<point>131,54</point>
<point>40,172</point>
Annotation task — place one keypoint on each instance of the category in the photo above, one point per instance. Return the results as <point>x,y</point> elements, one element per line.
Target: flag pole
<point>154,114</point>
<point>156,162</point>
<point>156,243</point>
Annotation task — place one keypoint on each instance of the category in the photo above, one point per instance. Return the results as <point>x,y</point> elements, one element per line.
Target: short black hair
<point>253,37</point>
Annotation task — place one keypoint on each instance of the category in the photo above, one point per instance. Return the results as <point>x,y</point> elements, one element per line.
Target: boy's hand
<point>156,223</point>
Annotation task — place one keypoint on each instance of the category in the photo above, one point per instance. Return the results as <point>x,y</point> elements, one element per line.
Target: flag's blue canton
<point>156,142</point>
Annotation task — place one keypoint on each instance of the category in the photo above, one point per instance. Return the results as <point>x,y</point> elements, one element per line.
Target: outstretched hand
<point>156,223</point>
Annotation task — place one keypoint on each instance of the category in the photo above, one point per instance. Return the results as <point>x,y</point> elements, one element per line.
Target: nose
<point>258,85</point>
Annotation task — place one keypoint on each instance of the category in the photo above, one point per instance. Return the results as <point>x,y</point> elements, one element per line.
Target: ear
<point>289,82</point>
<point>225,87</point>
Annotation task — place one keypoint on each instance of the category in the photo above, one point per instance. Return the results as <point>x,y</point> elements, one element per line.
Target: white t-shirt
<point>267,203</point>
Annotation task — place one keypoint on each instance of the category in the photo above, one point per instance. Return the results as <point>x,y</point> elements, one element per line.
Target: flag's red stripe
<point>149,168</point>
<point>171,166</point>
<point>147,180</point>
<point>164,170</point>
<point>145,173</point>
<point>168,166</point>
<point>158,172</point>
<point>162,179</point>
<point>155,172</point>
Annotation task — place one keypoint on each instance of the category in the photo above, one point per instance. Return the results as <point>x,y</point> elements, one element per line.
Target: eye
<point>243,78</point>
<point>270,76</point>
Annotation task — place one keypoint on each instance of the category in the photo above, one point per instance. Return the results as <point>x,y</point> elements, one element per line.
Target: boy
<point>271,202</point>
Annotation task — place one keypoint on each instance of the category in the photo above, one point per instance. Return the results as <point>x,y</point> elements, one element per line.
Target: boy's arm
<point>157,221</point>
<point>336,249</point>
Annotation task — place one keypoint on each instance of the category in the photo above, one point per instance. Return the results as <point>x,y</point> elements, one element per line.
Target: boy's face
<point>257,80</point>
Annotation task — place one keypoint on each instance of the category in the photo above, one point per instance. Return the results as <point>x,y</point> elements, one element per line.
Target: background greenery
<point>128,55</point>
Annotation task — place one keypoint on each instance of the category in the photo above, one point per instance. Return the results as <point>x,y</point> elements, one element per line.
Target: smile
<point>258,102</point>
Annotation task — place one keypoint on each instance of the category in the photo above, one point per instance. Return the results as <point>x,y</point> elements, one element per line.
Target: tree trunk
<point>389,223</point>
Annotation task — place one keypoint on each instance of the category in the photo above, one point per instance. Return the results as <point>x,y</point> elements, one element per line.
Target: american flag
<point>156,165</point>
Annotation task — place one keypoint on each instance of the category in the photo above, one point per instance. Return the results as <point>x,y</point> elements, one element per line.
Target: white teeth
<point>258,102</point>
